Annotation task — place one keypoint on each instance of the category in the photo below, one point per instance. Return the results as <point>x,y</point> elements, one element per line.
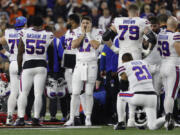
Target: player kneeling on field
<point>141,91</point>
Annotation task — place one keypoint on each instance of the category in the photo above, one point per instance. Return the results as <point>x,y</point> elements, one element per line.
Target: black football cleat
<point>120,126</point>
<point>36,122</point>
<point>77,121</point>
<point>19,122</point>
<point>170,121</point>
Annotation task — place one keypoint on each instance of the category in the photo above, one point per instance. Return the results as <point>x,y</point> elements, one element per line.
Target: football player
<point>168,42</point>
<point>141,91</point>
<point>32,53</point>
<point>130,31</point>
<point>154,59</point>
<point>86,40</point>
<point>69,57</point>
<point>69,53</point>
<point>12,38</point>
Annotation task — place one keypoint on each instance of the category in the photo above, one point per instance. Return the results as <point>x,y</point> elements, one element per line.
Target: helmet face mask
<point>51,88</point>
<point>4,88</point>
<point>61,87</point>
<point>140,118</point>
<point>55,88</point>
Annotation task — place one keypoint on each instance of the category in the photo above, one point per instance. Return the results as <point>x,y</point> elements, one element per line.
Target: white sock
<point>89,104</point>
<point>121,106</point>
<point>22,102</point>
<point>131,112</point>
<point>74,105</point>
<point>78,105</point>
<point>168,105</point>
<point>12,101</point>
<point>37,105</point>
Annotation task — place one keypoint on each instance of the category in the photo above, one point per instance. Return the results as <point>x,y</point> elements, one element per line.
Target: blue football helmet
<point>20,21</point>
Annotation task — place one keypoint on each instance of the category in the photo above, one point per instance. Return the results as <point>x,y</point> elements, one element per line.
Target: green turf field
<point>87,131</point>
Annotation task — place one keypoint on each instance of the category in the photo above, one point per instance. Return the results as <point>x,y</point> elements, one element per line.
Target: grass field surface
<point>99,130</point>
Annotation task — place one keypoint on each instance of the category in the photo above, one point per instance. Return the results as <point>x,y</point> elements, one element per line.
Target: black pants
<point>111,88</point>
<point>64,105</point>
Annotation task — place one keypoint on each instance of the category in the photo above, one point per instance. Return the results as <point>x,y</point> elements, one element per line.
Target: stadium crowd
<point>57,15</point>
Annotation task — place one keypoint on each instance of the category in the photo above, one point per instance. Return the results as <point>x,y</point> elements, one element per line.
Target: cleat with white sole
<point>69,123</point>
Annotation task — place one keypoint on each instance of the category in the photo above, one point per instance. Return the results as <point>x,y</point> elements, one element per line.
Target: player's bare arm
<point>2,50</point>
<point>20,55</point>
<point>124,76</point>
<point>3,41</point>
<point>177,47</point>
<point>94,43</point>
<point>76,43</point>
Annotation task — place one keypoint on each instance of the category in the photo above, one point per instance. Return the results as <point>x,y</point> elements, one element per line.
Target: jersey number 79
<point>133,32</point>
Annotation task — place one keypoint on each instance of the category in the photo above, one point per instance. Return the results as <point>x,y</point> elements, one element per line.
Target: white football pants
<point>84,72</point>
<point>148,102</point>
<point>14,83</point>
<point>36,76</point>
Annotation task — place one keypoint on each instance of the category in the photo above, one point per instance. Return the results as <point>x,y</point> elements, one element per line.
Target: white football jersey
<point>166,40</point>
<point>104,22</point>
<point>36,43</point>
<point>69,37</point>
<point>130,32</point>
<point>138,74</point>
<point>86,51</point>
<point>12,37</point>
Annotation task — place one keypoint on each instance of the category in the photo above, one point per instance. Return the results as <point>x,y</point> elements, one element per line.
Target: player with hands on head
<point>86,40</point>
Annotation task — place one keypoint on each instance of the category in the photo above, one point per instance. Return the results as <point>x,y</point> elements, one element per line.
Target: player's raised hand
<point>83,29</point>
